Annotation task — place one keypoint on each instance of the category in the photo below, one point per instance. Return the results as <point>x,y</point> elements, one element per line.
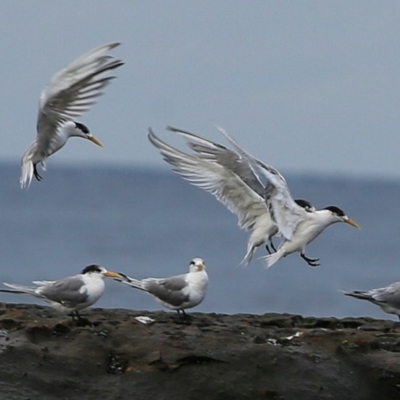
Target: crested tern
<point>176,292</point>
<point>298,222</point>
<point>70,93</point>
<point>71,294</point>
<point>298,226</point>
<point>228,176</point>
<point>387,298</point>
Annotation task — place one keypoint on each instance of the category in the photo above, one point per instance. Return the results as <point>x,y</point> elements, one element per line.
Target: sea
<point>148,222</point>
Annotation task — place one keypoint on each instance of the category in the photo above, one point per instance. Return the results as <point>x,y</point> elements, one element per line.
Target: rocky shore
<point>209,356</point>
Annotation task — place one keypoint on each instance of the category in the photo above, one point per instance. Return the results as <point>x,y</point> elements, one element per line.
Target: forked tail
<point>271,259</point>
<point>26,173</point>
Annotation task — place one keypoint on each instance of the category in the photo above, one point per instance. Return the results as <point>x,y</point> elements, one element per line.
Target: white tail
<point>26,173</point>
<point>271,259</point>
<point>136,283</point>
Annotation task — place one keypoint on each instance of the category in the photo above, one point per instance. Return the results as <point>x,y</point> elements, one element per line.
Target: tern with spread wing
<point>228,176</point>
<point>296,221</point>
<point>70,93</point>
<point>387,298</point>
<point>71,294</point>
<point>176,292</point>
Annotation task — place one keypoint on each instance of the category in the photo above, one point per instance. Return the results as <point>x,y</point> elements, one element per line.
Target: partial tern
<point>176,292</point>
<point>70,93</point>
<point>71,294</point>
<point>228,176</point>
<point>387,298</point>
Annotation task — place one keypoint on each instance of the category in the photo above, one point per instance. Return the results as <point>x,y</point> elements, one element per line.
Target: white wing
<point>284,210</point>
<point>208,172</point>
<point>73,90</point>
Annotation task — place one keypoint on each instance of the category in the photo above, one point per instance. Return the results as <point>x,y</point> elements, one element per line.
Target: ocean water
<point>151,223</point>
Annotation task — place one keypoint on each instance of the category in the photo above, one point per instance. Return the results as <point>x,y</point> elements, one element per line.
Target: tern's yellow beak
<point>200,267</point>
<point>352,223</point>
<point>95,141</point>
<point>111,274</point>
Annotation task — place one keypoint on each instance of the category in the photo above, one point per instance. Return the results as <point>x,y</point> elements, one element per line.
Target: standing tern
<point>176,292</point>
<point>296,221</point>
<point>71,294</point>
<point>70,93</point>
<point>387,298</point>
<point>228,176</point>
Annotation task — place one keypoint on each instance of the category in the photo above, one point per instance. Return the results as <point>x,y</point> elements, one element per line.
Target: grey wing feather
<point>65,291</point>
<point>73,90</point>
<point>284,210</point>
<point>389,294</point>
<point>169,290</point>
<point>226,185</point>
<point>215,152</point>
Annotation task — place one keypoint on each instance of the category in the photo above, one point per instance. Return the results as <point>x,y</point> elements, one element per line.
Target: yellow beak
<point>95,141</point>
<point>352,223</point>
<point>111,274</point>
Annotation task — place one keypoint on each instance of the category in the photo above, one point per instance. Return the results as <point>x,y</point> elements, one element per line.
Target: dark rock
<point>208,356</point>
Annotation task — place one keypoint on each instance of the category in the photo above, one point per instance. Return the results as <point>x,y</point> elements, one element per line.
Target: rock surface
<point>209,356</point>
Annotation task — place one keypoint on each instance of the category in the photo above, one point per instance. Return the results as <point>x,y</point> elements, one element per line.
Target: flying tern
<point>71,294</point>
<point>298,222</point>
<point>228,176</point>
<point>176,292</point>
<point>387,298</point>
<point>297,225</point>
<point>70,93</point>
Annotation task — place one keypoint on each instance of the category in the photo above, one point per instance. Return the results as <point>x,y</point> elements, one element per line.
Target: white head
<point>97,270</point>
<point>197,265</point>
<point>338,215</point>
<point>79,130</point>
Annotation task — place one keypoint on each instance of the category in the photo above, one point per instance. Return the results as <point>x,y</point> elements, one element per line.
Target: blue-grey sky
<point>304,86</point>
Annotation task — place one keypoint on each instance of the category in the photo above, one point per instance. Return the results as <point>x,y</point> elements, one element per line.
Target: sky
<point>306,86</point>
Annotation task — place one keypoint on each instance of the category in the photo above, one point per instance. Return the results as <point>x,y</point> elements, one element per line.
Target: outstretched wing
<point>73,90</point>
<point>285,212</point>
<point>219,171</point>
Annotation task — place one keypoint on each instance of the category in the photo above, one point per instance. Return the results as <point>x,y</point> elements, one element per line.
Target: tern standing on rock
<point>71,294</point>
<point>70,93</point>
<point>176,292</point>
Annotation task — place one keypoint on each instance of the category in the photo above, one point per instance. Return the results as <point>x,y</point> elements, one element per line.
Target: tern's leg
<point>312,262</point>
<point>36,173</point>
<point>271,243</point>
<point>182,314</point>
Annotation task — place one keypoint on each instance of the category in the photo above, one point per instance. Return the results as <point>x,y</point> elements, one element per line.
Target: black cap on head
<point>82,127</point>
<point>304,204</point>
<point>91,268</point>
<point>335,210</point>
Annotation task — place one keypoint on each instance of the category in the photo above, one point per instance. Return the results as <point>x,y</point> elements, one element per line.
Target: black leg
<point>36,173</point>
<point>182,315</point>
<point>312,262</point>
<point>271,243</point>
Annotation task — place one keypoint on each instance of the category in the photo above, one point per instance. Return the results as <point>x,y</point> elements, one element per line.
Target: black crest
<point>91,268</point>
<point>82,127</point>
<point>304,204</point>
<point>335,210</point>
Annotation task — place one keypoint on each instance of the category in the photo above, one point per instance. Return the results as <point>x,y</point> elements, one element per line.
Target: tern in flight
<point>228,176</point>
<point>176,292</point>
<point>70,93</point>
<point>298,222</point>
<point>71,294</point>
